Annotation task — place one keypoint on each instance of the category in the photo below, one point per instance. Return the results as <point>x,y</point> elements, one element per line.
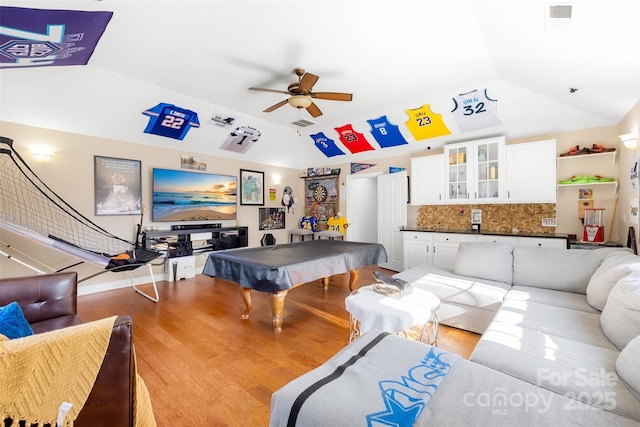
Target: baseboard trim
<point>124,283</point>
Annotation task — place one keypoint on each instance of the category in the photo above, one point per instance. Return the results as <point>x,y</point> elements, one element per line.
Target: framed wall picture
<point>271,219</point>
<point>251,187</point>
<point>117,186</point>
<point>321,199</point>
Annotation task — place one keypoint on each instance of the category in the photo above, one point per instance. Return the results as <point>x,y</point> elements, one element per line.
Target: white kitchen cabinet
<point>427,180</point>
<point>512,240</point>
<point>417,248</point>
<point>544,242</point>
<point>440,249</point>
<point>531,172</point>
<point>445,248</point>
<point>475,171</point>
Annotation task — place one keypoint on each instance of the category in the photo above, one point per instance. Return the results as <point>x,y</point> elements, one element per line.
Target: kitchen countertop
<point>490,233</point>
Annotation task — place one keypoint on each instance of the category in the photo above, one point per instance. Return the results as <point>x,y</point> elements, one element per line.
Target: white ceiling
<point>392,55</point>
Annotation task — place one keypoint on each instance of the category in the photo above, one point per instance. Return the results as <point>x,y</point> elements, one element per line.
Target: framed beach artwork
<point>251,187</point>
<point>117,186</point>
<point>181,195</point>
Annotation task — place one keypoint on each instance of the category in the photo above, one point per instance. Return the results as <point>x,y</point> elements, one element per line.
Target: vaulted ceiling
<point>391,55</point>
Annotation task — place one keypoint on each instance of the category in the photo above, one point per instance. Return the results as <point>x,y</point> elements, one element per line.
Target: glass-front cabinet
<point>475,171</point>
<point>458,173</point>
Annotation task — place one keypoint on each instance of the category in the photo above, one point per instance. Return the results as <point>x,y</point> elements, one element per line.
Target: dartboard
<point>320,193</point>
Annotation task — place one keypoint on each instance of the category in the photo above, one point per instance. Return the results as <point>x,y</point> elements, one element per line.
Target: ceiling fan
<point>302,95</point>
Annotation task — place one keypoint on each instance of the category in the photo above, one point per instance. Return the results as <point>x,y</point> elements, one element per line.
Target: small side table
<point>330,234</point>
<point>302,233</point>
<point>370,310</point>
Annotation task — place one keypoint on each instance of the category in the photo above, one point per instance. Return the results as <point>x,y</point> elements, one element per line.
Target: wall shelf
<point>582,156</point>
<point>588,184</point>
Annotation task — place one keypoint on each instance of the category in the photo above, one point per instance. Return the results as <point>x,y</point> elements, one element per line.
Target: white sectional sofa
<point>560,345</point>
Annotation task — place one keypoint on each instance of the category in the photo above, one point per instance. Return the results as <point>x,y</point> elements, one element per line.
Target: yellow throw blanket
<point>41,371</point>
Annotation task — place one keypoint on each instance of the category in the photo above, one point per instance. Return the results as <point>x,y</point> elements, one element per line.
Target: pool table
<point>276,269</point>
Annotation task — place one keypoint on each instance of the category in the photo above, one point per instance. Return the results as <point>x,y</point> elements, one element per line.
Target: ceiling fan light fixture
<point>300,101</point>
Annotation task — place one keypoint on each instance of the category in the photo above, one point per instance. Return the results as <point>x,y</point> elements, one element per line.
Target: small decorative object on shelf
<point>595,149</point>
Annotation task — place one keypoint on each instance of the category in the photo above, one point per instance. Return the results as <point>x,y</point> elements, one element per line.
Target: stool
<point>369,310</point>
<point>301,233</point>
<point>330,234</point>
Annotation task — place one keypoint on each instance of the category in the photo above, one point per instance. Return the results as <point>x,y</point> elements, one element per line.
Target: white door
<point>362,206</point>
<point>392,214</point>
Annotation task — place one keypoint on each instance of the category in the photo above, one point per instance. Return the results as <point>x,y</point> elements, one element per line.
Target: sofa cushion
<point>566,270</point>
<point>628,366</point>
<point>451,287</point>
<point>614,267</point>
<point>620,317</point>
<point>12,322</point>
<point>554,322</point>
<point>485,260</point>
<point>550,297</point>
<point>564,366</point>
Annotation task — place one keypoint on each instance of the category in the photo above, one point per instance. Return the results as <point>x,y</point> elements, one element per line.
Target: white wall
<point>70,174</point>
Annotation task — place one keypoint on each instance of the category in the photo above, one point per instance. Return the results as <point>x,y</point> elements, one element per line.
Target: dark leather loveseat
<point>49,302</point>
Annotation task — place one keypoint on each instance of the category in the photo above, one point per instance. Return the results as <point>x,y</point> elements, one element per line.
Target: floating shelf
<point>588,184</point>
<point>582,156</point>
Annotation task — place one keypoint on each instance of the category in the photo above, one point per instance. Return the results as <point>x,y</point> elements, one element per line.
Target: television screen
<point>180,195</point>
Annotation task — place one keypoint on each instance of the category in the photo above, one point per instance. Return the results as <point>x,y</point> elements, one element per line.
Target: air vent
<point>302,123</point>
<point>558,17</point>
<point>560,11</point>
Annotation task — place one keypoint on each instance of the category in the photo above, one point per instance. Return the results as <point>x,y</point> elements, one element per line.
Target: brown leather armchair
<point>50,302</point>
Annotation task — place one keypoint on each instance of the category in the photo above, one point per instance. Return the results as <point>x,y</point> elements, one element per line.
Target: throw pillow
<point>628,366</point>
<point>12,322</point>
<point>620,318</point>
<point>485,260</point>
<point>614,267</point>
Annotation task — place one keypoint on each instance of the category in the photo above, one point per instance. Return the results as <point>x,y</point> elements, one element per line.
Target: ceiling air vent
<point>560,11</point>
<point>558,17</point>
<point>302,123</point>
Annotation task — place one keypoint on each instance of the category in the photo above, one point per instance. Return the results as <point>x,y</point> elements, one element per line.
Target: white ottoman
<point>370,310</point>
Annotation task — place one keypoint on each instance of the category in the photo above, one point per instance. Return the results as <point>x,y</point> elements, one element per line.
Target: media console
<point>217,238</point>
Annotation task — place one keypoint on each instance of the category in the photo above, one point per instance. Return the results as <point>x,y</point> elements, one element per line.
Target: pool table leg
<point>276,300</point>
<point>245,308</point>
<point>353,276</point>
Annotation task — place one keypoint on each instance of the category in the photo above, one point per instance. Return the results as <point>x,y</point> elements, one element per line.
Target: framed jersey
<point>424,123</point>
<point>386,133</point>
<point>241,139</point>
<point>326,145</point>
<point>354,141</point>
<point>170,121</point>
<point>475,110</point>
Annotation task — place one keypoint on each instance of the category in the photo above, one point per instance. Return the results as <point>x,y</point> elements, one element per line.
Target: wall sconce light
<point>41,155</point>
<point>630,140</point>
<point>276,179</point>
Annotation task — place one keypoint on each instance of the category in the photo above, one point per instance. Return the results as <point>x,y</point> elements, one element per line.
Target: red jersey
<point>354,141</point>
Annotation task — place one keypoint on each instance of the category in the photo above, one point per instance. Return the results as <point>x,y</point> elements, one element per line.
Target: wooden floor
<point>203,365</point>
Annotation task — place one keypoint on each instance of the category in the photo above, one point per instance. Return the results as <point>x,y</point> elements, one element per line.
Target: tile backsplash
<point>504,218</point>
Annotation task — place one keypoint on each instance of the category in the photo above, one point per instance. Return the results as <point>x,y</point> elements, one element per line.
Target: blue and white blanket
<point>378,380</point>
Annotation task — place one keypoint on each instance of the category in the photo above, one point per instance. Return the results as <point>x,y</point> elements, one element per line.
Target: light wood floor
<point>203,365</point>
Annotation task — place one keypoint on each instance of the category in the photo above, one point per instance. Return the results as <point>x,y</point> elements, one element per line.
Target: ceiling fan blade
<point>261,89</point>
<point>307,82</point>
<point>332,96</point>
<point>275,106</point>
<point>314,110</point>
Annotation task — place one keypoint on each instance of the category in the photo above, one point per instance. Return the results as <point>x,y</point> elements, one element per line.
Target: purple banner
<point>43,37</point>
